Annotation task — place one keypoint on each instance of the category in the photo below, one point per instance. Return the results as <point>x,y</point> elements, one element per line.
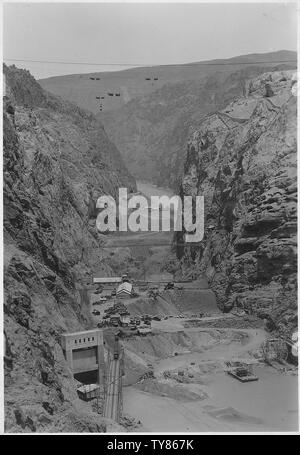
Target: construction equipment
<point>88,392</point>
<point>242,372</point>
<point>113,399</point>
<point>115,320</point>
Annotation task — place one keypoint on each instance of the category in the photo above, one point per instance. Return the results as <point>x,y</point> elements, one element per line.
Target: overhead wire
<point>146,65</point>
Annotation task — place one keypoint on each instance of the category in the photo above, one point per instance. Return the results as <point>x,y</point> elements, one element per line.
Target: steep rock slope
<point>243,160</point>
<point>55,154</point>
<point>151,131</point>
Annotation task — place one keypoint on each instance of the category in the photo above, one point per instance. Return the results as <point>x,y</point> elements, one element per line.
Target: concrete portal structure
<point>84,353</point>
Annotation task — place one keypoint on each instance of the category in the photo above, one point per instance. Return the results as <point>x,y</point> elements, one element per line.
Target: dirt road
<point>268,404</point>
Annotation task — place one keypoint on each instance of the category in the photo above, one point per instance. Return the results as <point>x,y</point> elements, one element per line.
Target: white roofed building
<point>125,290</point>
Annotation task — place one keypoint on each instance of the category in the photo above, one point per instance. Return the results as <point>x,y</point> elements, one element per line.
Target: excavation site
<point>150,219</point>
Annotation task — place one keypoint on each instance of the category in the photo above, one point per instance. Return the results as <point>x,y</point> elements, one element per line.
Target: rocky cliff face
<point>57,158</point>
<point>151,131</point>
<point>243,160</point>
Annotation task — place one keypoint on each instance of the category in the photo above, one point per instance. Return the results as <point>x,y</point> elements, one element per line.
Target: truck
<point>115,320</point>
<point>147,319</point>
<point>99,289</point>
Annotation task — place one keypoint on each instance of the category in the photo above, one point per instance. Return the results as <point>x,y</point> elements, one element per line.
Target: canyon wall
<point>243,160</point>
<point>57,160</point>
<point>151,131</point>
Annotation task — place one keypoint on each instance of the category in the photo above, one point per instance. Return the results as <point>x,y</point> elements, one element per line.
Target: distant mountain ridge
<point>83,89</point>
<point>151,131</point>
<point>282,56</point>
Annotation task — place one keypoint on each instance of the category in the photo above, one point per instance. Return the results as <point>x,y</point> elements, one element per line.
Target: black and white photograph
<point>149,220</point>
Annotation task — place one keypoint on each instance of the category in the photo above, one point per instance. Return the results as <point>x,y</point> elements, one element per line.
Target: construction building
<point>125,290</point>
<point>84,353</point>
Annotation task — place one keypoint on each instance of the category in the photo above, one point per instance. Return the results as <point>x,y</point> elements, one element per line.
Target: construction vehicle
<point>116,348</point>
<point>96,312</point>
<point>99,289</point>
<point>100,301</point>
<point>115,320</point>
<point>88,392</point>
<point>147,319</point>
<point>241,371</point>
<point>169,285</point>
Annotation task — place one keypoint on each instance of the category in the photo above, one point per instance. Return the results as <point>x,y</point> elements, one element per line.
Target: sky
<point>140,33</point>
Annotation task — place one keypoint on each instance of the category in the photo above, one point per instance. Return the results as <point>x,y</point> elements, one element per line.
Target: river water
<point>152,190</point>
<point>269,404</point>
<point>148,237</point>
